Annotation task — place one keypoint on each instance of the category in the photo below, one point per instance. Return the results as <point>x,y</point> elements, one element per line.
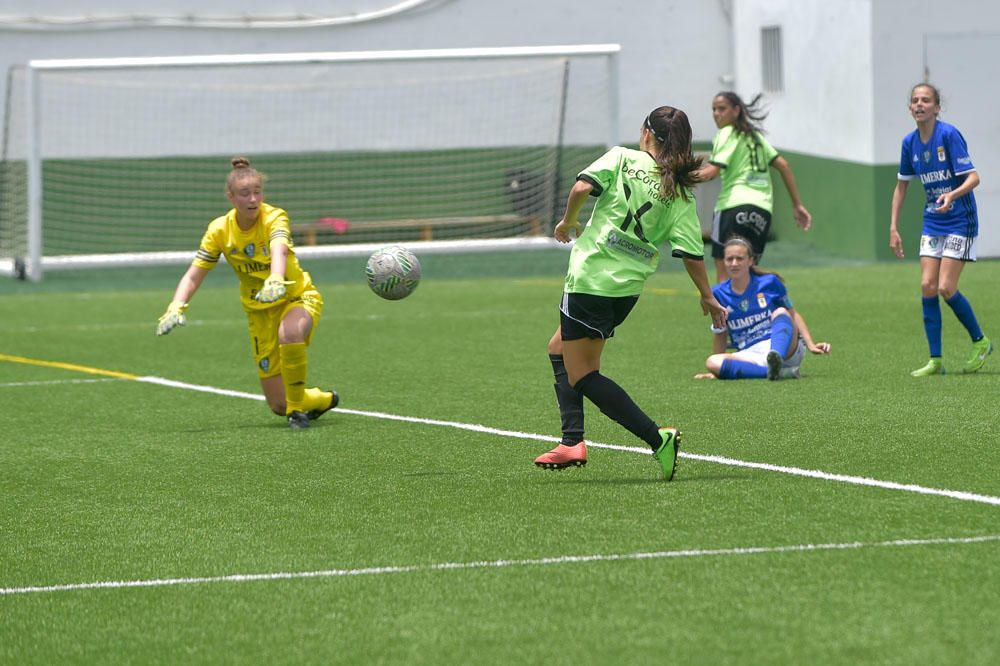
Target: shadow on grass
<point>654,480</point>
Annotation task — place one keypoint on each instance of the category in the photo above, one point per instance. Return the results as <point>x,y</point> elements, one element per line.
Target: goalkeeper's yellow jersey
<point>249,253</point>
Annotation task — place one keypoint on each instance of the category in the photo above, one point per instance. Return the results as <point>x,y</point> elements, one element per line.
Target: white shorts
<point>952,246</point>
<point>757,354</point>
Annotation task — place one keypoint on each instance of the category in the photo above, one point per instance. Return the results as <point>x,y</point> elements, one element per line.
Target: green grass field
<point>852,516</point>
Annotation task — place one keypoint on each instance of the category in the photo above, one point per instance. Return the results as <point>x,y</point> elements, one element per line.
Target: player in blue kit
<point>769,335</point>
<point>936,153</point>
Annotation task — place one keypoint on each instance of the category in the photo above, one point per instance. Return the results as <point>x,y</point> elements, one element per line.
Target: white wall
<point>674,51</point>
<point>906,33</point>
<point>849,65</point>
<point>826,106</point>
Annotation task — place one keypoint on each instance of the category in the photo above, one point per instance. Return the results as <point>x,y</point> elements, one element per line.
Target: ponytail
<point>678,165</point>
<point>748,120</point>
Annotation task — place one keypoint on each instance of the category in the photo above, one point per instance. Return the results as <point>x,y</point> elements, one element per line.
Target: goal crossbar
<point>330,57</point>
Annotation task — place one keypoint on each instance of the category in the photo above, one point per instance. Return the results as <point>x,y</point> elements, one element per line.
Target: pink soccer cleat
<point>563,456</point>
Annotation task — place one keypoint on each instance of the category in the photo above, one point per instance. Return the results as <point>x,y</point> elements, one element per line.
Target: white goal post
<point>122,161</point>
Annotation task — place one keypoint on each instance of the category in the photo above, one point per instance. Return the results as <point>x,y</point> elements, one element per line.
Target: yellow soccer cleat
<point>934,367</point>
<point>980,350</point>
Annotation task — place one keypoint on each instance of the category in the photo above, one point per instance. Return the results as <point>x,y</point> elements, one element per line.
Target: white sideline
<point>496,564</point>
<point>731,462</point>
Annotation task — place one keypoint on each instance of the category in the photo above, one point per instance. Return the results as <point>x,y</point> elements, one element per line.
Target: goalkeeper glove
<point>174,316</point>
<point>273,289</point>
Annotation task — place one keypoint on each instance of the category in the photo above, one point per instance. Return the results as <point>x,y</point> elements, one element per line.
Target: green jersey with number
<point>746,169</point>
<point>619,247</point>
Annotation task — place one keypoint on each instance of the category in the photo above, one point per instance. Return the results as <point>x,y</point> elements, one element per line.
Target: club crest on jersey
<point>927,156</point>
<point>264,364</point>
<point>744,305</point>
<point>941,156</point>
<point>250,249</point>
<point>761,301</point>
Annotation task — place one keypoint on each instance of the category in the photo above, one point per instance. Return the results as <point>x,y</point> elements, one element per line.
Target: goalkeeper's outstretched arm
<point>189,283</point>
<point>186,288</point>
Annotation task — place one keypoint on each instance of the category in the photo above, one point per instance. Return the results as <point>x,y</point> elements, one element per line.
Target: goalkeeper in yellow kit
<point>281,303</point>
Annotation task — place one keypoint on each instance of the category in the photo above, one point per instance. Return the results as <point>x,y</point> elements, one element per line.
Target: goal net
<point>123,161</point>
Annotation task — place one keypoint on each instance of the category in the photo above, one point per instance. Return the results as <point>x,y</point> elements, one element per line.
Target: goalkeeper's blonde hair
<point>241,171</point>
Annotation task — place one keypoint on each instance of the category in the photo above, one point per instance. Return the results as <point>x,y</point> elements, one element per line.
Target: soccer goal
<point>122,161</point>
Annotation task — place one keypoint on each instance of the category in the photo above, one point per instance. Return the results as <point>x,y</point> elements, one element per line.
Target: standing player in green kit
<point>744,158</point>
<point>643,200</point>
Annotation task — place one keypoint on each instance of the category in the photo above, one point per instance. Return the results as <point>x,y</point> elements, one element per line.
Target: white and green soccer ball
<point>393,272</point>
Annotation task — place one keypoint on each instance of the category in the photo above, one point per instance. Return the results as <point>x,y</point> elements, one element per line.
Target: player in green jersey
<point>744,157</point>
<point>280,301</point>
<point>643,200</point>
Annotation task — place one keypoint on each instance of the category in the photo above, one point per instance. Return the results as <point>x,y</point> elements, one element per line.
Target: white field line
<point>498,564</point>
<point>58,381</point>
<point>720,460</point>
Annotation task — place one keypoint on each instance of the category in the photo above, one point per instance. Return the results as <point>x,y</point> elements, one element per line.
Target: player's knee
<point>556,345</point>
<point>277,407</point>
<point>928,288</point>
<point>714,364</point>
<point>946,291</point>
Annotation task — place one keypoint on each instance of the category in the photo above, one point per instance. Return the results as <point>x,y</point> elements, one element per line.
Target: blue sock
<point>932,324</point>
<point>782,330</point>
<point>963,310</point>
<point>735,369</point>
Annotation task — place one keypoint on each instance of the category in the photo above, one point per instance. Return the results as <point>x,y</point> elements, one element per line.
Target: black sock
<point>612,399</point>
<point>570,403</point>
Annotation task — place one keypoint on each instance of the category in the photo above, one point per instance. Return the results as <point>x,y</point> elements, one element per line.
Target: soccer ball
<point>393,272</point>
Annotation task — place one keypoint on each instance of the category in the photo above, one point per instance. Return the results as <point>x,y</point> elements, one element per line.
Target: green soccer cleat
<point>980,350</point>
<point>666,452</point>
<point>933,367</point>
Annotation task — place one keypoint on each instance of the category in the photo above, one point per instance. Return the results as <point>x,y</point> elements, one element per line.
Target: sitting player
<point>770,337</point>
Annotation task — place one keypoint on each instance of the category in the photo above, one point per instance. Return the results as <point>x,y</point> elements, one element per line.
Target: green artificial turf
<point>430,543</point>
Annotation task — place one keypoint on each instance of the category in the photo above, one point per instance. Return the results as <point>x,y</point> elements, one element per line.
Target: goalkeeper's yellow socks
<point>294,367</point>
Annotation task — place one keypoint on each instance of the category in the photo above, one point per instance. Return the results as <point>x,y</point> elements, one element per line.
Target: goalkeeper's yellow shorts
<point>264,324</point>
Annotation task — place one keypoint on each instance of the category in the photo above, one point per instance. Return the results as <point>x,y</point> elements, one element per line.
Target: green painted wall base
<point>850,204</point>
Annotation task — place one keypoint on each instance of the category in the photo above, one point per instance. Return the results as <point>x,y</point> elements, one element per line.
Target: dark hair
<point>241,170</point>
<point>739,240</point>
<point>748,120</point>
<point>678,165</point>
<point>933,89</point>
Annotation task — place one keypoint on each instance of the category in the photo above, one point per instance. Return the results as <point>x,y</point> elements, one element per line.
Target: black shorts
<point>750,222</point>
<point>588,316</point>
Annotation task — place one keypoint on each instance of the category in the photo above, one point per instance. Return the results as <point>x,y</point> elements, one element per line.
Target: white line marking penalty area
<point>720,460</point>
<point>497,564</point>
